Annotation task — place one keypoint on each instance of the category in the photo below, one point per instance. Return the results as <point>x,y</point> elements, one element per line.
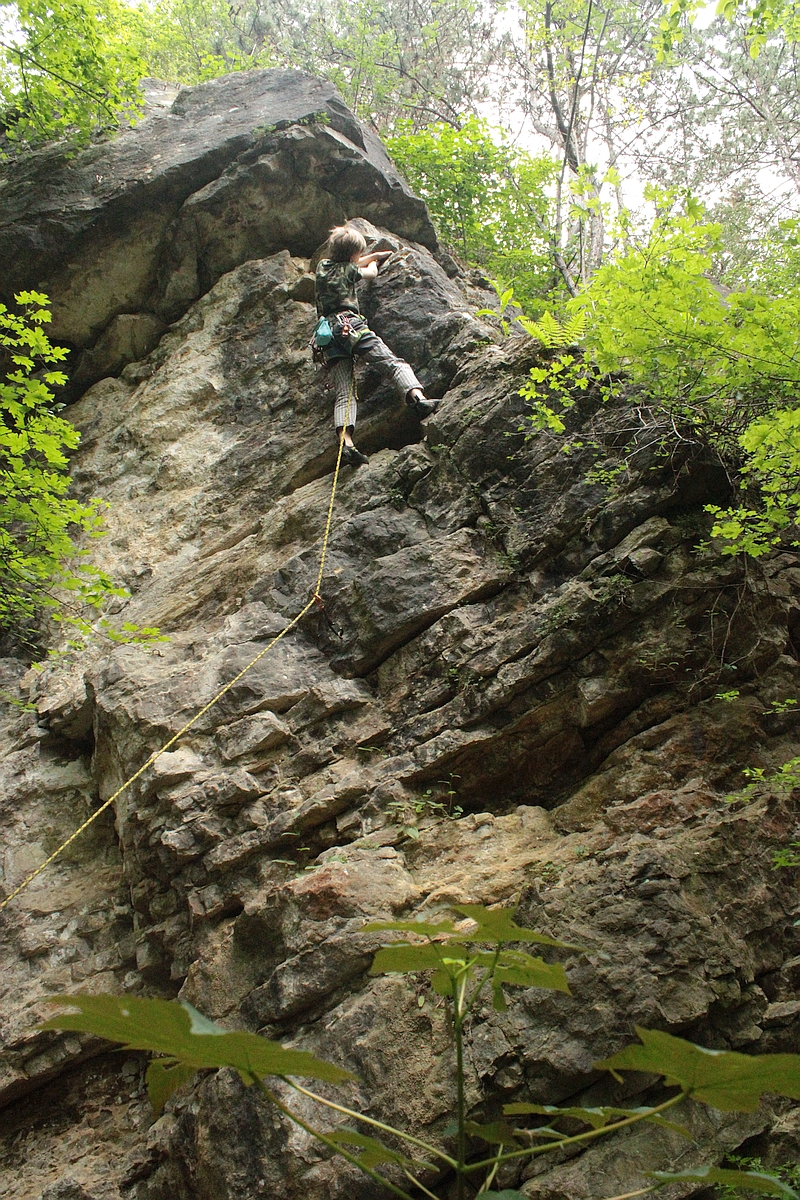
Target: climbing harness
<point>336,336</point>
<point>347,332</point>
<point>315,601</point>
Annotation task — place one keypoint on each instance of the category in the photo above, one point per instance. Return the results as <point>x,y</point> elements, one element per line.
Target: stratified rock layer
<point>523,659</point>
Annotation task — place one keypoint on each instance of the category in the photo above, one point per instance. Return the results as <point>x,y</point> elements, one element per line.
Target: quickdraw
<point>320,604</point>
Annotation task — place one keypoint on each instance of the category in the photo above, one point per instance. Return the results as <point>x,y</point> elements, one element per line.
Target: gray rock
<point>127,233</point>
<point>65,1189</point>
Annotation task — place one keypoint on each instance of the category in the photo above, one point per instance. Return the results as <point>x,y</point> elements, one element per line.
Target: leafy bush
<point>39,522</point>
<point>464,962</point>
<point>724,368</point>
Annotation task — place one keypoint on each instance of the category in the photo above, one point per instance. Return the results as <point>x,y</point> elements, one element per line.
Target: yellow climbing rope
<point>315,599</point>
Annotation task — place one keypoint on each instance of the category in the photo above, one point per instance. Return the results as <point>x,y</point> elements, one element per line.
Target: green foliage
<point>408,813</point>
<point>787,1177</point>
<point>464,961</point>
<point>67,67</point>
<point>773,446</point>
<point>781,782</point>
<point>733,1181</point>
<point>487,199</point>
<point>597,1118</point>
<point>189,1041</point>
<point>555,334</point>
<point>451,955</point>
<point>788,856</point>
<point>761,18</point>
<point>191,41</point>
<point>724,1079</point>
<point>551,390</point>
<point>373,1151</point>
<point>38,520</point>
<point>390,60</point>
<point>724,368</point>
<point>506,298</point>
<point>777,268</point>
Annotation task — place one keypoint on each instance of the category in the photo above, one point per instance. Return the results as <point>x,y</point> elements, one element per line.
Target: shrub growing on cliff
<point>725,369</point>
<point>39,522</point>
<point>465,964</point>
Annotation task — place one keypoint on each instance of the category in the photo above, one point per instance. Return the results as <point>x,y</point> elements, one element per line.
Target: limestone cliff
<point>524,635</point>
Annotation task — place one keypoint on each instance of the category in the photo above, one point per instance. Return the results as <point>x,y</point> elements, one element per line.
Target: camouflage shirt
<point>336,287</point>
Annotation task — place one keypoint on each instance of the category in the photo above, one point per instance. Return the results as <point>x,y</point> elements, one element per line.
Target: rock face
<point>523,658</point>
<point>125,235</point>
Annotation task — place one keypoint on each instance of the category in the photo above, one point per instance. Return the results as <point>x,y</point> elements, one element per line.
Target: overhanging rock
<point>233,170</point>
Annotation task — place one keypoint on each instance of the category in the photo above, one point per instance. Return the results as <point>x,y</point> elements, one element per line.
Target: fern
<point>552,334</point>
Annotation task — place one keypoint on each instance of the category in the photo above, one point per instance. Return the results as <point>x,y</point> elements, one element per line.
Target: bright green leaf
<point>750,1181</point>
<point>402,958</point>
<point>165,1076</point>
<point>498,925</point>
<point>724,1079</point>
<point>165,1027</point>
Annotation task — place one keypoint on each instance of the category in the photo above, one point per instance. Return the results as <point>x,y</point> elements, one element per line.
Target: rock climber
<point>349,335</point>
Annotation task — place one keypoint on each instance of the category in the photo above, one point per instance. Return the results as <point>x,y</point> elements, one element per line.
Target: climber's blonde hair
<point>344,241</point>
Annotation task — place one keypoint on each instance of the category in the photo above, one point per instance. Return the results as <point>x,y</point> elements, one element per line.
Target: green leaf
<point>533,973</point>
<point>166,1027</point>
<point>724,1079</point>
<point>752,1181</point>
<point>200,1024</point>
<point>402,958</point>
<point>40,525</point>
<point>373,1151</point>
<point>498,925</point>
<point>596,1117</point>
<point>165,1076</point>
<point>496,1133</point>
<point>425,928</point>
<point>506,1194</point>
<point>443,983</point>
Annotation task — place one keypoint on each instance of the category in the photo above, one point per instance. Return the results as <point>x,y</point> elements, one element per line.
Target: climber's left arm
<point>374,258</point>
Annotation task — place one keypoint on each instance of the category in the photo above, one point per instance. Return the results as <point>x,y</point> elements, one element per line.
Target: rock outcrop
<point>526,658</point>
<point>126,235</point>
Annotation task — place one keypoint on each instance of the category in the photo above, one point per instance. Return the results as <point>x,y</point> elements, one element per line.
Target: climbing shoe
<point>353,457</point>
<point>423,408</point>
